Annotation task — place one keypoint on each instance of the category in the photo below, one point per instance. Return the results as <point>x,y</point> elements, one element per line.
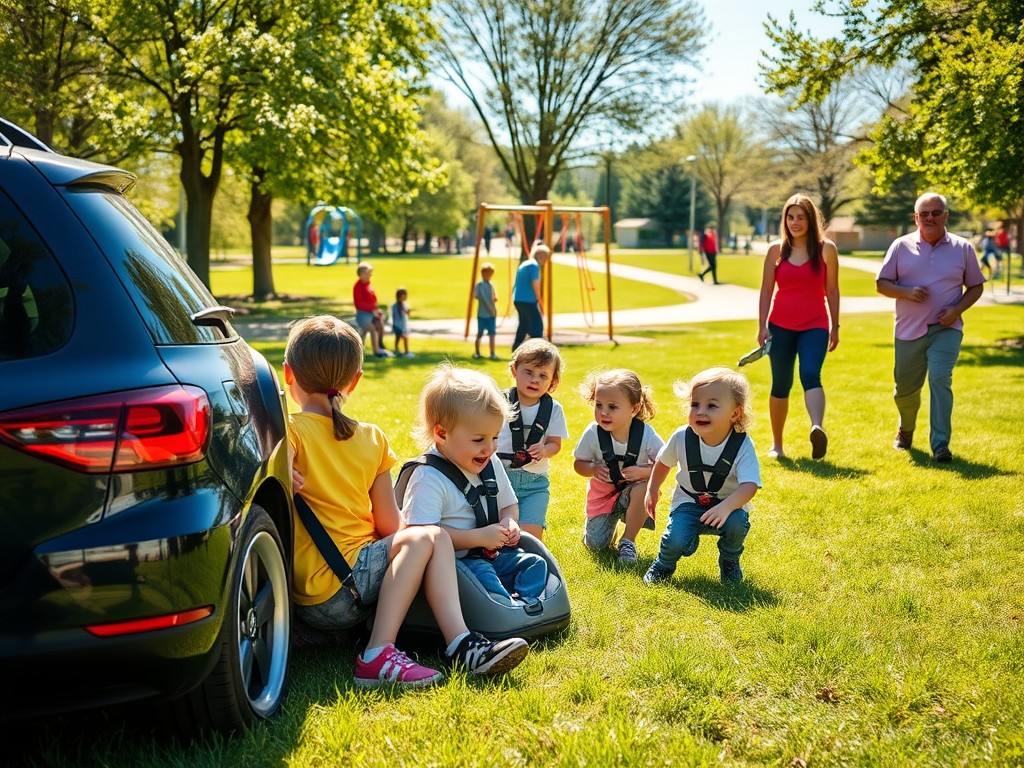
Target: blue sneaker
<point>729,570</point>
<point>658,573</point>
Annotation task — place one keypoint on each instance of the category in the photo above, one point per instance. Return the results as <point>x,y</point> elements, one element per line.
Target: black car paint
<point>82,549</point>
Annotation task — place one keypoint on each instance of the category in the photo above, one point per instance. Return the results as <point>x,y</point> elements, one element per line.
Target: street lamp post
<point>692,159</point>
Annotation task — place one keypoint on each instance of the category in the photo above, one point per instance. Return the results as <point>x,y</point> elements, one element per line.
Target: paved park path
<point>706,303</point>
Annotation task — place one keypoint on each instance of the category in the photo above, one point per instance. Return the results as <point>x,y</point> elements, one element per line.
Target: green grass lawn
<point>881,621</point>
<point>741,270</point>
<point>438,287</point>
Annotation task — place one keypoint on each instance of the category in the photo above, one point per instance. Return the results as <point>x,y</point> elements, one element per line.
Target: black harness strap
<point>537,430</point>
<point>706,493</point>
<point>325,544</point>
<point>488,488</point>
<point>617,463</point>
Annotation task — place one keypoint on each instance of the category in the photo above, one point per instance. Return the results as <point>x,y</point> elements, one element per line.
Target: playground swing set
<point>545,211</point>
<point>328,235</point>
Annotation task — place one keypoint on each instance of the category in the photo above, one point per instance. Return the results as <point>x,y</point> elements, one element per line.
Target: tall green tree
<point>338,119</point>
<point>547,78</point>
<point>963,129</point>
<point>191,71</point>
<point>657,186</point>
<point>730,158</point>
<point>51,72</point>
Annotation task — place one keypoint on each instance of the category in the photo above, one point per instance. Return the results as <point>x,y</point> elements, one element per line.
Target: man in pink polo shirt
<point>926,272</point>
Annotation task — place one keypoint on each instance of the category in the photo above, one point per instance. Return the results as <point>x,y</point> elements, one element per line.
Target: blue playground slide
<point>327,233</point>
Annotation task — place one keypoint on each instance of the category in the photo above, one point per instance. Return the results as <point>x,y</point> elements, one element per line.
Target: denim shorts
<point>534,492</point>
<point>364,320</point>
<point>342,611</point>
<point>486,325</point>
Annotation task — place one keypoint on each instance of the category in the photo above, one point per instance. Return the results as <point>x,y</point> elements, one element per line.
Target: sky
<point>729,70</point>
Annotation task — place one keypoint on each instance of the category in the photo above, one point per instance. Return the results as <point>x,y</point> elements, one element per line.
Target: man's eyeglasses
<point>926,214</point>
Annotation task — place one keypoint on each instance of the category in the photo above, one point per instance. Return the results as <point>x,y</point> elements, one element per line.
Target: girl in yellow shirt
<point>344,470</point>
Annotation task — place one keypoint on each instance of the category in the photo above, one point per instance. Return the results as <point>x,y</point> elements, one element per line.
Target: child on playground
<point>486,308</point>
<point>617,452</point>
<point>527,443</point>
<point>343,468</point>
<point>400,322</point>
<point>369,318</point>
<point>717,475</point>
<point>461,412</point>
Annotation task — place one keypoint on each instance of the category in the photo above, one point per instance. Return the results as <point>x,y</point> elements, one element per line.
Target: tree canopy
<point>962,129</point>
<point>547,78</point>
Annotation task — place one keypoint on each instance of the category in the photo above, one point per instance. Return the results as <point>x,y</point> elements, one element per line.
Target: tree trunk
<point>375,236</point>
<point>427,237</point>
<point>44,126</point>
<point>261,231</point>
<point>199,194</point>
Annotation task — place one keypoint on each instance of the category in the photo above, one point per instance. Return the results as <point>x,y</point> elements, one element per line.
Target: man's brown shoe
<point>942,453</point>
<point>904,439</point>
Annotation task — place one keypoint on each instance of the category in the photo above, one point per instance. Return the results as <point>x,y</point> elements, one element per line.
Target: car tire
<point>247,683</point>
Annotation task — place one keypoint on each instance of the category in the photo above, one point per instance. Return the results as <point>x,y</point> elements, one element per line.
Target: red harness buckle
<point>705,499</point>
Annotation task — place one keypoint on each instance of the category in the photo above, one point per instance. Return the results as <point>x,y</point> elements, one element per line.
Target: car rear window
<point>37,309</point>
<point>166,292</point>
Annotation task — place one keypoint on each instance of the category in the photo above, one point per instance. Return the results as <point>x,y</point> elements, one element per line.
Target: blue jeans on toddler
<point>534,492</point>
<point>513,570</point>
<point>684,530</point>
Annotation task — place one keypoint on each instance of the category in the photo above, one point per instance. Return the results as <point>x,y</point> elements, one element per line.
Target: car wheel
<point>247,684</point>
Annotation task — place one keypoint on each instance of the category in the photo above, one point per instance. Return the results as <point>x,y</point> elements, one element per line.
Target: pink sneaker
<point>392,667</point>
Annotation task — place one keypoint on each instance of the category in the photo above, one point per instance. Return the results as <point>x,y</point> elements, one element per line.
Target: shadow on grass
<point>821,468</point>
<point>966,468</point>
<point>736,598</point>
<point>1003,353</point>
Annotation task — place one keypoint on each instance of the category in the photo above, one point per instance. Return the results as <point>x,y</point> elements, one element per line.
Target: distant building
<point>637,233</point>
<point>850,236</point>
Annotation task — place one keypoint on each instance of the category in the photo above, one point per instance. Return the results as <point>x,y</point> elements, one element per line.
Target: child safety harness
<point>617,463</point>
<point>328,549</point>
<point>520,457</point>
<point>706,494</point>
<point>475,494</point>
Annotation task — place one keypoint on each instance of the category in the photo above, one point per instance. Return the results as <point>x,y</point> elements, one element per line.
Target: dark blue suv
<point>145,506</point>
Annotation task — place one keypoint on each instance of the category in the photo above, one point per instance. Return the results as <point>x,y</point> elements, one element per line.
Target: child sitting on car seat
<point>461,413</point>
<point>343,470</point>
<point>616,452</point>
<point>535,433</point>
<point>718,474</point>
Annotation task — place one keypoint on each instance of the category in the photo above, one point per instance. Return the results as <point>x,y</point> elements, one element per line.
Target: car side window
<point>37,309</point>
<point>165,291</point>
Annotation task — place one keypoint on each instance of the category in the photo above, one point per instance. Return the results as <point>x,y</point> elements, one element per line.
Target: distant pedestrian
<point>488,234</point>
<point>1003,244</point>
<point>926,272</point>
<point>709,247</point>
<point>400,322</point>
<point>369,317</point>
<point>989,254</point>
<point>528,295</point>
<point>510,232</point>
<point>486,308</point>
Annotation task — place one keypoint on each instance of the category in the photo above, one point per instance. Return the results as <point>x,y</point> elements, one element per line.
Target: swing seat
<point>495,616</point>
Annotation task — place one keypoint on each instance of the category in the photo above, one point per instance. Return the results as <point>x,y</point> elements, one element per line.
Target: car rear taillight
<point>148,625</point>
<point>120,432</point>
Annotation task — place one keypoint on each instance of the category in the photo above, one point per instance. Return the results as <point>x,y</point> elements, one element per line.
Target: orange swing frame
<point>545,210</point>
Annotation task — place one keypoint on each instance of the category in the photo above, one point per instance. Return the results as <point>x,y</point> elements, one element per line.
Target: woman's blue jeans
<point>684,530</point>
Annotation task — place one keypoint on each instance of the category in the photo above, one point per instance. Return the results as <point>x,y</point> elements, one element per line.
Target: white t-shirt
<point>432,499</point>
<point>745,469</point>
<point>589,449</point>
<point>556,428</point>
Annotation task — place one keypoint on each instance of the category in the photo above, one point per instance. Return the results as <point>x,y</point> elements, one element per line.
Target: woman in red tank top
<point>799,312</point>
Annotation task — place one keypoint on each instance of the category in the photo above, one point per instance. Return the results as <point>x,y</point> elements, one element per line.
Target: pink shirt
<point>943,269</point>
<point>799,301</point>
